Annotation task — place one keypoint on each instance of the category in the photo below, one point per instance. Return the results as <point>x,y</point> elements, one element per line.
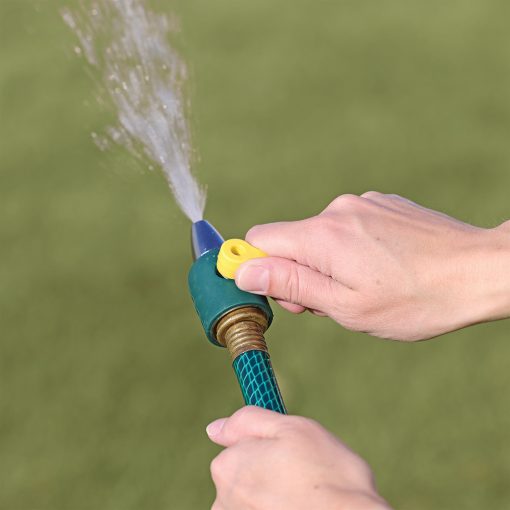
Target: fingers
<point>297,309</point>
<point>283,239</point>
<point>291,307</point>
<point>248,422</point>
<point>288,281</point>
<point>318,313</point>
<point>304,241</point>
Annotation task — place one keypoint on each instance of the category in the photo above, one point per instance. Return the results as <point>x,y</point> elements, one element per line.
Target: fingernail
<point>253,278</point>
<point>214,428</point>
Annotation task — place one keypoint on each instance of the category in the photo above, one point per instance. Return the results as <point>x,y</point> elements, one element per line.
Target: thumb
<point>289,281</point>
<point>248,422</point>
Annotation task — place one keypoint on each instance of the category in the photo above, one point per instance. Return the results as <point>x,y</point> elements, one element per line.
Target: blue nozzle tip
<point>204,237</point>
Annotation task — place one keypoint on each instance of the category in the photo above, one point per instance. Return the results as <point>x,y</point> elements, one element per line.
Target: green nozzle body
<point>215,296</point>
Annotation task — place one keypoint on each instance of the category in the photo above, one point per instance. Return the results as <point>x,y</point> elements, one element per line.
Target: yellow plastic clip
<point>233,253</point>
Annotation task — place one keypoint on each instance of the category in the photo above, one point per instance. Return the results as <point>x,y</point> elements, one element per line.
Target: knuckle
<point>215,468</point>
<point>295,284</point>
<point>360,469</point>
<point>240,421</point>
<point>372,194</point>
<point>347,200</point>
<point>219,467</point>
<point>239,417</point>
<point>301,425</point>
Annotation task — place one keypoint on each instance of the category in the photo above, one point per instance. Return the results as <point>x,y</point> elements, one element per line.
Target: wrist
<point>493,274</point>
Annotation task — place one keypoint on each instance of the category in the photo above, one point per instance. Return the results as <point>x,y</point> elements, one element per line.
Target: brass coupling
<point>242,330</point>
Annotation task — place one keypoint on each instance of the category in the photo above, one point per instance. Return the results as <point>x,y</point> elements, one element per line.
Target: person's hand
<point>384,265</point>
<point>277,462</point>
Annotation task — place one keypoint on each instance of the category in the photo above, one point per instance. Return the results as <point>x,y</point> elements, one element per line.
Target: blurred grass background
<point>107,381</point>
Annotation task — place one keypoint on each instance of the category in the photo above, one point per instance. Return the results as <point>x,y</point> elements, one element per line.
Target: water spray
<point>231,318</point>
<point>142,77</point>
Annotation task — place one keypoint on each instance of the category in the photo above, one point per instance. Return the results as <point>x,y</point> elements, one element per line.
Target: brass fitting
<point>242,330</point>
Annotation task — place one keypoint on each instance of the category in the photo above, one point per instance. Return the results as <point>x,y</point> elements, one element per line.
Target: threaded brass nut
<point>242,330</point>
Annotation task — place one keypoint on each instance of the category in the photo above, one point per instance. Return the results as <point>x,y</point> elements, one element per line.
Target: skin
<point>276,462</point>
<point>375,263</point>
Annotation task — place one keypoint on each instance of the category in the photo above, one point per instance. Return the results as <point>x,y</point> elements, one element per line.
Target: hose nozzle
<point>230,317</point>
<point>204,238</point>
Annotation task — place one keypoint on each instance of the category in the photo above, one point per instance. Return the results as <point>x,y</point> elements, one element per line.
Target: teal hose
<point>258,382</point>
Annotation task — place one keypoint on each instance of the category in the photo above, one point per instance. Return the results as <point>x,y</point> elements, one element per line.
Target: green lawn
<point>107,381</point>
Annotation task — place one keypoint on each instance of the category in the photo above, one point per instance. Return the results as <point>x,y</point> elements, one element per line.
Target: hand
<point>384,265</point>
<point>277,462</point>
